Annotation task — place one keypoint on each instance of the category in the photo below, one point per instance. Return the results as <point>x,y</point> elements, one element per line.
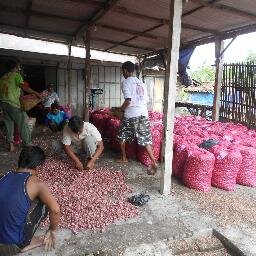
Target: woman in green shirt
<point>11,84</point>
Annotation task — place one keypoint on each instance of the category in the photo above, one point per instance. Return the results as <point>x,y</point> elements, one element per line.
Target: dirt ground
<point>165,222</point>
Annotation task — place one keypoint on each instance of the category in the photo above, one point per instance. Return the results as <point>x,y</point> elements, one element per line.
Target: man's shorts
<point>135,127</point>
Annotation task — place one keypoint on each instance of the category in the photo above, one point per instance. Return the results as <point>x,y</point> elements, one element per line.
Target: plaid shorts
<point>135,127</point>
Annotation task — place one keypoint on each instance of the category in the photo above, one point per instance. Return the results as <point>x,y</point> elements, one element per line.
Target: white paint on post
<point>219,48</point>
<point>169,93</point>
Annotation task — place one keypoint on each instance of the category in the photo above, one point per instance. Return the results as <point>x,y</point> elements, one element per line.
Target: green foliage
<point>206,74</point>
<point>183,95</point>
<point>251,57</point>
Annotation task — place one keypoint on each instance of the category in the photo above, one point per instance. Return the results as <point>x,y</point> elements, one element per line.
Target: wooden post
<point>169,93</point>
<point>69,74</point>
<point>87,79</point>
<point>219,48</point>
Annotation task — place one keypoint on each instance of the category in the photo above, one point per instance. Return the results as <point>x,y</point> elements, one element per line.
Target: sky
<point>241,47</point>
<point>203,55</point>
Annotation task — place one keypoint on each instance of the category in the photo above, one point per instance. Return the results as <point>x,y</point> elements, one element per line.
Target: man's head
<point>12,65</point>
<point>31,157</point>
<point>76,124</point>
<point>55,108</point>
<point>50,88</point>
<point>128,68</point>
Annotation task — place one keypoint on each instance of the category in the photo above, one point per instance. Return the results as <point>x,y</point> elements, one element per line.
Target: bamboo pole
<point>169,94</point>
<point>69,74</point>
<point>219,46</point>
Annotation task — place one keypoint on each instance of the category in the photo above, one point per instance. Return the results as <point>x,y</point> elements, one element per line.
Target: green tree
<point>206,74</point>
<point>251,57</point>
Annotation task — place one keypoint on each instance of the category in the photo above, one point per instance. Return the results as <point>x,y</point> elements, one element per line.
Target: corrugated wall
<point>107,78</point>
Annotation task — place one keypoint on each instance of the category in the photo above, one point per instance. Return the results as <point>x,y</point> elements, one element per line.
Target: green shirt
<point>10,89</point>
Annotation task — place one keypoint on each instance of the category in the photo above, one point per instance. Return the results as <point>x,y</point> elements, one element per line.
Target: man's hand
<point>49,240</point>
<point>79,165</point>
<point>89,165</point>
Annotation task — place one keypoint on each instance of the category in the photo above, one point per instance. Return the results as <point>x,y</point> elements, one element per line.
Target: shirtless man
<point>26,201</point>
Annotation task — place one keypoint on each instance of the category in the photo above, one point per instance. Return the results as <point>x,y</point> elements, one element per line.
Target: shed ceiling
<point>134,27</point>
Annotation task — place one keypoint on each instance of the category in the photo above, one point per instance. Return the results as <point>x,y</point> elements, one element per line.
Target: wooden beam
<point>170,94</point>
<point>69,66</point>
<point>124,11</point>
<point>120,43</point>
<point>109,5</point>
<point>223,35</point>
<point>202,29</point>
<point>134,37</point>
<point>37,13</point>
<point>91,3</point>
<point>219,46</point>
<point>232,40</point>
<point>226,8</point>
<point>66,37</point>
<point>131,32</point>
<point>87,80</point>
<point>197,9</point>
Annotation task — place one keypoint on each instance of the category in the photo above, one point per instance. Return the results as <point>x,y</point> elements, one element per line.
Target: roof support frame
<point>120,43</point>
<point>134,37</point>
<point>96,17</point>
<point>226,8</point>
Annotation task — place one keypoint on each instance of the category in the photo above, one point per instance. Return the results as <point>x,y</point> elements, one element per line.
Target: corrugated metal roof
<point>129,26</point>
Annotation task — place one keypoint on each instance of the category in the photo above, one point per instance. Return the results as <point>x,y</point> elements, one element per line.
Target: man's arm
<point>73,156</point>
<point>47,198</point>
<point>98,152</point>
<point>37,189</point>
<point>126,104</point>
<point>31,91</point>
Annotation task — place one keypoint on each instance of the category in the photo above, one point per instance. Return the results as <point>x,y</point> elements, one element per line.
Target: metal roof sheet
<point>131,26</point>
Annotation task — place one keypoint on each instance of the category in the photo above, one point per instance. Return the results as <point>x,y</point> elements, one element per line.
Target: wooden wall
<point>238,94</point>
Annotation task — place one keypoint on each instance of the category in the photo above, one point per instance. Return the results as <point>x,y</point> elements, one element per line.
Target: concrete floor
<point>182,216</point>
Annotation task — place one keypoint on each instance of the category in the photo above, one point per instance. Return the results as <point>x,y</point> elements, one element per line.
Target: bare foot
<point>35,242</point>
<point>12,147</point>
<point>122,161</point>
<point>153,169</point>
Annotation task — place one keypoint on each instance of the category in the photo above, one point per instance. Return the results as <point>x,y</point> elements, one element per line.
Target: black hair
<point>54,105</point>
<point>31,157</point>
<point>75,123</point>
<point>8,66</point>
<point>129,66</point>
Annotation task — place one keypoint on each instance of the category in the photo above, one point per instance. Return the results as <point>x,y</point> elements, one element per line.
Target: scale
<point>95,97</point>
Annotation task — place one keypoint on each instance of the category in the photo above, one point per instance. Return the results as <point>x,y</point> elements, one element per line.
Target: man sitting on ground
<point>25,201</point>
<point>56,119</point>
<point>82,135</point>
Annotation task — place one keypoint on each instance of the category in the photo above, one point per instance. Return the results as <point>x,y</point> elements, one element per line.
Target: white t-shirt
<point>88,130</point>
<point>134,89</point>
<point>49,98</point>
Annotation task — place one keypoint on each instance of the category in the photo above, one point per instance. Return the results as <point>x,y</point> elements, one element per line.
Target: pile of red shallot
<point>88,199</point>
<point>234,156</point>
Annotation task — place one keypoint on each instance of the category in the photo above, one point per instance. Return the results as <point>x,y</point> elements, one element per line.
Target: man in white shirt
<point>135,123</point>
<point>82,135</point>
<point>50,96</point>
